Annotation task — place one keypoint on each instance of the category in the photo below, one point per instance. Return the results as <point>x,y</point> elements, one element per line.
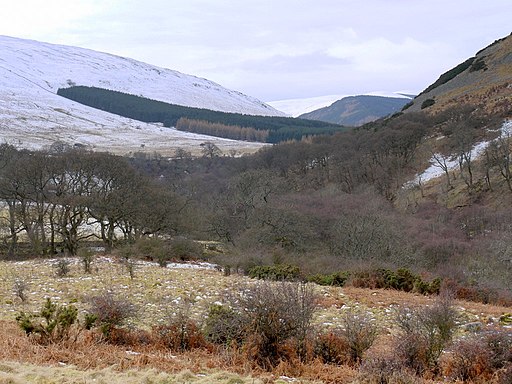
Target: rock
<point>474,326</point>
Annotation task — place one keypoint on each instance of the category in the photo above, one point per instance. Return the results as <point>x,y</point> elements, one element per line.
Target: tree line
<point>151,111</point>
<point>55,202</point>
<point>338,200</point>
<point>234,132</point>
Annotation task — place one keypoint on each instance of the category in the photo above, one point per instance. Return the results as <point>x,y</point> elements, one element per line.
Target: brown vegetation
<point>234,132</point>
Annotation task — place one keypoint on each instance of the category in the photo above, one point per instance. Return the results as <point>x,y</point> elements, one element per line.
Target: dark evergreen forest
<point>152,111</point>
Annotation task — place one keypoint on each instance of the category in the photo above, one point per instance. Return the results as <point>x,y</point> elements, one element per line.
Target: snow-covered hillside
<point>31,114</point>
<point>297,107</point>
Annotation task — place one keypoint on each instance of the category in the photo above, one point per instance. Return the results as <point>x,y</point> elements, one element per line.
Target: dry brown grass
<point>158,291</point>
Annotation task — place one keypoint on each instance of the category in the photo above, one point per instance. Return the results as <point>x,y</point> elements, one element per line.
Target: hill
<point>300,106</point>
<point>482,80</point>
<point>33,115</point>
<point>358,110</point>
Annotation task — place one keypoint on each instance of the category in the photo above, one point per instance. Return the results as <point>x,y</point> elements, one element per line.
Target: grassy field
<point>157,294</point>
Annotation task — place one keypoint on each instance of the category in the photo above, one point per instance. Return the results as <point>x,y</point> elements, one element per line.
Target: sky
<point>276,49</point>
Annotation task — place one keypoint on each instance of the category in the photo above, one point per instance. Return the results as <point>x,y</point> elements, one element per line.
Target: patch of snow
<point>198,265</point>
<point>297,107</point>
<point>435,170</point>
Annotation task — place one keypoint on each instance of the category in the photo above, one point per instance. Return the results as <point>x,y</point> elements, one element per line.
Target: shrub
<point>449,75</point>
<point>426,288</point>
<point>469,359</point>
<point>280,272</point>
<point>180,336</point>
<point>180,333</point>
<point>55,325</point>
<point>224,326</point>
<point>86,256</point>
<point>146,248</point>
<point>478,65</point>
<point>337,279</point>
<point>427,103</point>
<point>360,332</point>
<point>184,249</point>
<point>425,333</point>
<point>479,357</point>
<point>331,348</point>
<point>130,337</point>
<point>20,287</point>
<point>275,316</point>
<point>402,280</point>
<point>499,344</point>
<point>385,370</point>
<point>504,376</point>
<point>130,265</point>
<point>62,268</point>
<point>107,312</point>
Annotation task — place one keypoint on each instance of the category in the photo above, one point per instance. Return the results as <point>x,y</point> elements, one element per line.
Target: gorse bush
<point>402,280</point>
<point>52,324</point>
<point>337,279</point>
<point>427,103</point>
<point>279,272</point>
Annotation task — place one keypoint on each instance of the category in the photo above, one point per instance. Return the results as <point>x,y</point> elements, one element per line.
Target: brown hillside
<point>484,80</point>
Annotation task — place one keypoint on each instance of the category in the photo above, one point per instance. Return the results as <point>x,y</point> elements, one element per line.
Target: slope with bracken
<point>484,80</point>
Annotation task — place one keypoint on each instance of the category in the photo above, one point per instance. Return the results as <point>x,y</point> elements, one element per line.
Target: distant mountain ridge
<point>358,110</point>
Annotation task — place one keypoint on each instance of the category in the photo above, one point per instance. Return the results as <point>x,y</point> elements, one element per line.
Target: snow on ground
<point>27,124</point>
<point>33,116</point>
<point>297,107</point>
<point>31,64</point>
<point>435,170</point>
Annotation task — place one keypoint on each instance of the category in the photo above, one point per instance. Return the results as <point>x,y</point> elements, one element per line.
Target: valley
<point>135,252</point>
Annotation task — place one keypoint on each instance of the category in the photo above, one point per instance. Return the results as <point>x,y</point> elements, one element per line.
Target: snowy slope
<point>438,161</point>
<point>297,107</point>
<point>32,115</point>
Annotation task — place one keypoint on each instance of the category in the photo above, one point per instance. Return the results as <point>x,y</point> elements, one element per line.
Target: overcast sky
<point>276,49</point>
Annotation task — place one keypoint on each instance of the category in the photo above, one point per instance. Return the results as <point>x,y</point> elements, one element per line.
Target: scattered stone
<point>474,326</point>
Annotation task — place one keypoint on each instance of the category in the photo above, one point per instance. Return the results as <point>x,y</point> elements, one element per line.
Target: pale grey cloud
<point>275,49</point>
